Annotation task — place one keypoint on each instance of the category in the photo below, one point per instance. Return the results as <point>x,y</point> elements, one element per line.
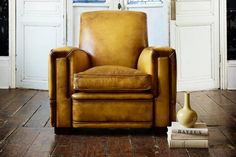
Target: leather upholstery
<point>110,78</point>
<point>62,64</point>
<point>112,110</point>
<point>112,96</point>
<point>113,37</point>
<point>112,125</point>
<point>161,64</point>
<point>118,40</point>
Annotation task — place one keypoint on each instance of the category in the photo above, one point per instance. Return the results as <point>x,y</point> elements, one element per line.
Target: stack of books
<point>180,137</point>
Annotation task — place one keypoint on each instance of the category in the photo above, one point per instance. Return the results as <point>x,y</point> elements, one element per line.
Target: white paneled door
<point>40,27</point>
<point>157,16</point>
<point>195,36</point>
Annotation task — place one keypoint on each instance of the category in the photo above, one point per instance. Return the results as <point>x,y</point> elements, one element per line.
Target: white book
<point>198,129</point>
<point>188,143</point>
<point>180,136</point>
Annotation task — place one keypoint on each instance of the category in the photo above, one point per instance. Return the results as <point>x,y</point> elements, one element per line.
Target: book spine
<point>193,132</point>
<point>175,136</point>
<point>188,143</point>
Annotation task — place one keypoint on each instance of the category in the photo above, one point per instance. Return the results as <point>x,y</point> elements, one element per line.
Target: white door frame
<point>223,45</point>
<point>12,41</point>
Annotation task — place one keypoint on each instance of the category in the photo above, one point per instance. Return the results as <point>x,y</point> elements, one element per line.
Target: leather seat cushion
<point>110,78</point>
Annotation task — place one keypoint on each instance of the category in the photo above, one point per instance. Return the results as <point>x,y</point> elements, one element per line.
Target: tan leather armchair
<point>113,80</point>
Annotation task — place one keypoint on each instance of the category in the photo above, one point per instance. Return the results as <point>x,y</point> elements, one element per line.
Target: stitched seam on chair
<point>117,100</point>
<point>114,121</point>
<point>124,89</point>
<point>111,122</point>
<point>102,75</point>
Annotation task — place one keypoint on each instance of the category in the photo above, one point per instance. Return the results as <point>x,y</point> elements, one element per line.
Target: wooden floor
<point>25,130</point>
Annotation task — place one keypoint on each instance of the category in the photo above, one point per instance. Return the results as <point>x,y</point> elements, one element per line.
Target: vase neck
<point>187,101</point>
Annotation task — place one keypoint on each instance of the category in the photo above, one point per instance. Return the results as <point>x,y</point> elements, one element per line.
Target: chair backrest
<point>113,37</point>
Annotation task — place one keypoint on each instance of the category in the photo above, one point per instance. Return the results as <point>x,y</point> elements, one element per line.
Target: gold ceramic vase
<point>186,116</point>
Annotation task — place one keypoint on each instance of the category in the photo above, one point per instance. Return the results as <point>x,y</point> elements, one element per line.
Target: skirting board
<point>4,73</point>
<point>231,68</point>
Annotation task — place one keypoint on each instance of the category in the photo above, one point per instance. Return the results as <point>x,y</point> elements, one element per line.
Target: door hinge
<point>219,62</point>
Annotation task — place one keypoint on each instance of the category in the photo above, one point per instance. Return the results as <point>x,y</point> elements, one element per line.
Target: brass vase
<point>186,116</point>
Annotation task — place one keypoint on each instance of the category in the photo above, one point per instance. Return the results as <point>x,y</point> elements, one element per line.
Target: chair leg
<point>64,131</point>
<point>159,130</point>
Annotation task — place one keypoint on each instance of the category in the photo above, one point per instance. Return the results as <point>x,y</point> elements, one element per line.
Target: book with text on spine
<point>198,129</point>
<point>180,136</point>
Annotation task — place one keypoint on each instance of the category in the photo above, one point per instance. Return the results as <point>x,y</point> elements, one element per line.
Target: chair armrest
<point>79,61</point>
<point>161,64</point>
<point>62,64</point>
<point>147,63</point>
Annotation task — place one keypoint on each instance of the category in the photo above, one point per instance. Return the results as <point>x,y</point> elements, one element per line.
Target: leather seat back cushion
<point>113,37</point>
<point>112,78</point>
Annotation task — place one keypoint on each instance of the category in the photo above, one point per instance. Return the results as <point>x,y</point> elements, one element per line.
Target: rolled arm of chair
<point>161,64</point>
<point>62,64</point>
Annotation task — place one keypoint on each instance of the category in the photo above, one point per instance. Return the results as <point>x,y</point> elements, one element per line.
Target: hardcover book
<point>181,136</point>
<point>199,129</point>
<point>188,143</point>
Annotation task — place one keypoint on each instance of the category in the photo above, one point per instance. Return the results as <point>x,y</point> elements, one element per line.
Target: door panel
<point>33,34</point>
<point>40,27</point>
<point>195,36</point>
<point>187,34</point>
<point>196,7</point>
<point>42,7</point>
